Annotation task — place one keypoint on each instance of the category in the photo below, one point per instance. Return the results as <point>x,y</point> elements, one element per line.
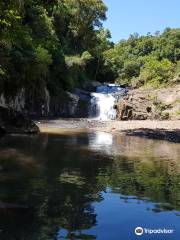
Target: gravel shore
<point>167,130</point>
<point>146,124</point>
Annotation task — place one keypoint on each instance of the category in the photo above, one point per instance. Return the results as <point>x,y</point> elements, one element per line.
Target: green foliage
<point>50,43</point>
<point>177,69</point>
<point>80,61</point>
<point>150,60</point>
<point>43,57</point>
<point>155,72</point>
<point>60,44</point>
<point>178,113</point>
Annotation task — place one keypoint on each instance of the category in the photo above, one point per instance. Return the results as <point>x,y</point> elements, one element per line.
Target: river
<point>88,185</point>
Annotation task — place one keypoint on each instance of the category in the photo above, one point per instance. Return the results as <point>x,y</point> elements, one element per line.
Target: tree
<point>145,59</point>
<point>156,72</point>
<point>85,15</point>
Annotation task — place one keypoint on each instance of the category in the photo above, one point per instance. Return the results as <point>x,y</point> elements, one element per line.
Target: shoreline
<point>163,130</point>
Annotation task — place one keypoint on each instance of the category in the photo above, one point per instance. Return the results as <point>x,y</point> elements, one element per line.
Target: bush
<point>155,72</point>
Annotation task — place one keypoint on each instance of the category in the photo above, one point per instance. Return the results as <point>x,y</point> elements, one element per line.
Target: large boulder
<point>159,104</point>
<point>69,104</point>
<point>91,86</point>
<point>12,121</point>
<point>135,108</point>
<point>44,104</point>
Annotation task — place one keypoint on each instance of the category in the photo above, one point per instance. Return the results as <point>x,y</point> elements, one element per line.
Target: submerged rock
<point>12,121</point>
<point>161,134</point>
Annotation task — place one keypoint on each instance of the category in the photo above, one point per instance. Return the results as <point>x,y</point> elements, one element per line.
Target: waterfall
<point>103,102</point>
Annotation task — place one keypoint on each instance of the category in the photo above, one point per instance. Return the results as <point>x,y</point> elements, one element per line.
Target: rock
<point>28,103</point>
<point>82,94</point>
<point>133,108</point>
<point>16,102</point>
<point>64,104</point>
<point>70,104</point>
<point>45,104</point>
<point>91,86</point>
<point>37,105</point>
<point>2,130</point>
<point>161,134</point>
<point>12,121</point>
<point>151,104</point>
<point>176,80</point>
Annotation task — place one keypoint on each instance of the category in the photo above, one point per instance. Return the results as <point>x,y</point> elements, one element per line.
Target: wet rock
<point>12,121</point>
<point>161,134</point>
<point>82,94</point>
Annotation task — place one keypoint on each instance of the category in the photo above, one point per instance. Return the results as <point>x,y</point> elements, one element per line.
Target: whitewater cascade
<point>103,102</point>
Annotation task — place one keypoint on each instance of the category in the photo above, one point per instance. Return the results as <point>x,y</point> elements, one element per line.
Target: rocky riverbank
<point>47,105</point>
<point>12,121</point>
<point>167,130</point>
<point>160,104</point>
<point>150,105</point>
<point>163,130</point>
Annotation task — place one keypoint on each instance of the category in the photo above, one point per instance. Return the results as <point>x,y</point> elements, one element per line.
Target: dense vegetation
<point>151,60</point>
<point>61,44</point>
<point>58,43</point>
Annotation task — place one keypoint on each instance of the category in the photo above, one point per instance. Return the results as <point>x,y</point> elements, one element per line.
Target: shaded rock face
<point>66,104</point>
<point>17,102</point>
<point>2,130</point>
<point>36,105</point>
<point>70,104</point>
<point>159,104</point>
<point>12,121</point>
<point>91,86</point>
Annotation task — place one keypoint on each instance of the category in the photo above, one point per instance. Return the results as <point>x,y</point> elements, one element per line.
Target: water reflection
<point>101,139</point>
<point>86,186</point>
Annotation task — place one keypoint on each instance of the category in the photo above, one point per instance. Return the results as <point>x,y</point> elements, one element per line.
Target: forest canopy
<point>50,43</point>
<point>152,60</point>
<point>61,44</point>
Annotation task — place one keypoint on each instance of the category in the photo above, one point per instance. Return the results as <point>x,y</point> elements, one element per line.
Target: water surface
<point>87,186</point>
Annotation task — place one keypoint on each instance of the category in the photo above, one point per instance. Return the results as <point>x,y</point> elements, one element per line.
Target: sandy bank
<point>150,124</point>
<point>168,130</point>
<point>165,130</point>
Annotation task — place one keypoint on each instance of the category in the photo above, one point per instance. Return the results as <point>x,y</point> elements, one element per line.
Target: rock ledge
<point>12,121</point>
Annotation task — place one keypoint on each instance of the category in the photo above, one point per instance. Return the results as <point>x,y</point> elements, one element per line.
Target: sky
<point>126,17</point>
